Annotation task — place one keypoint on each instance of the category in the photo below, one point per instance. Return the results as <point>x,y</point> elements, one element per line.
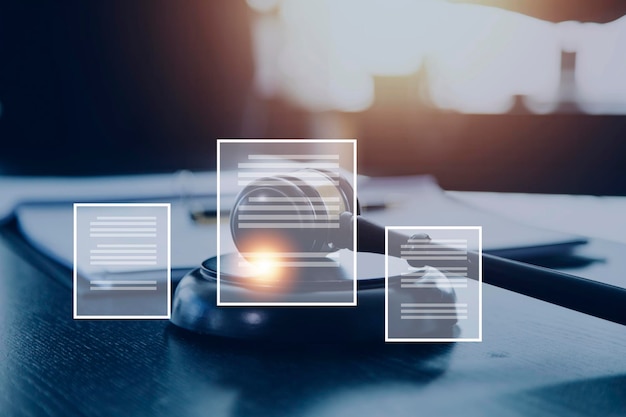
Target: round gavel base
<point>195,304</point>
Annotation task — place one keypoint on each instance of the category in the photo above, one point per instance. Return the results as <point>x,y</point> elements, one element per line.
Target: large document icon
<point>439,260</point>
<point>285,245</point>
<point>124,250</point>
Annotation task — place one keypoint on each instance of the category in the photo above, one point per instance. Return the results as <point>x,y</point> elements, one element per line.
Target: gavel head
<point>297,213</point>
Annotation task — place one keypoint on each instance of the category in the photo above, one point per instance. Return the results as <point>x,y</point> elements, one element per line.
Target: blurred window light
<point>315,73</point>
<point>267,43</point>
<point>383,37</point>
<point>601,67</point>
<point>483,57</point>
<point>324,54</point>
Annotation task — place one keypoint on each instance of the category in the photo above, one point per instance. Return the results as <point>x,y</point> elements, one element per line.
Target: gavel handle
<point>576,293</point>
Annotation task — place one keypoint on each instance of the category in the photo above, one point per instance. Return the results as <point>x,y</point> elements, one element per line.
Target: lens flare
<point>266,265</point>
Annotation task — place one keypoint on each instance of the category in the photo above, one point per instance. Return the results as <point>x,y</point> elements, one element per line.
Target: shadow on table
<point>252,378</point>
<point>604,396</point>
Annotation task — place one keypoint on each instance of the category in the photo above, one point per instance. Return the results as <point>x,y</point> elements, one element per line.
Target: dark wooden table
<point>536,359</point>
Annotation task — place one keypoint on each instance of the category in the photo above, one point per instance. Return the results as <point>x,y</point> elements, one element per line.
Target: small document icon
<point>438,297</point>
<point>122,261</point>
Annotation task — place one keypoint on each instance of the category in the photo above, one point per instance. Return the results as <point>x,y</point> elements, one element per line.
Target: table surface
<point>535,359</point>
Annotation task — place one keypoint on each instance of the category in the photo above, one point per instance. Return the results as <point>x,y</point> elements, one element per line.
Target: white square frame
<point>352,303</point>
<point>167,316</point>
<point>480,286</point>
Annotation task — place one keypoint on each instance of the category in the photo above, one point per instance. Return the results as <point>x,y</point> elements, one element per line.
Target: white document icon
<point>291,194</point>
<point>124,249</point>
<point>439,296</point>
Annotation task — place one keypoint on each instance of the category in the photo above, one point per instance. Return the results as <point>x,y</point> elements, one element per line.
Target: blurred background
<point>497,95</point>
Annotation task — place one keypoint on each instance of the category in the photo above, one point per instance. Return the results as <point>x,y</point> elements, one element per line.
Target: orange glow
<point>263,263</point>
<point>266,269</point>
